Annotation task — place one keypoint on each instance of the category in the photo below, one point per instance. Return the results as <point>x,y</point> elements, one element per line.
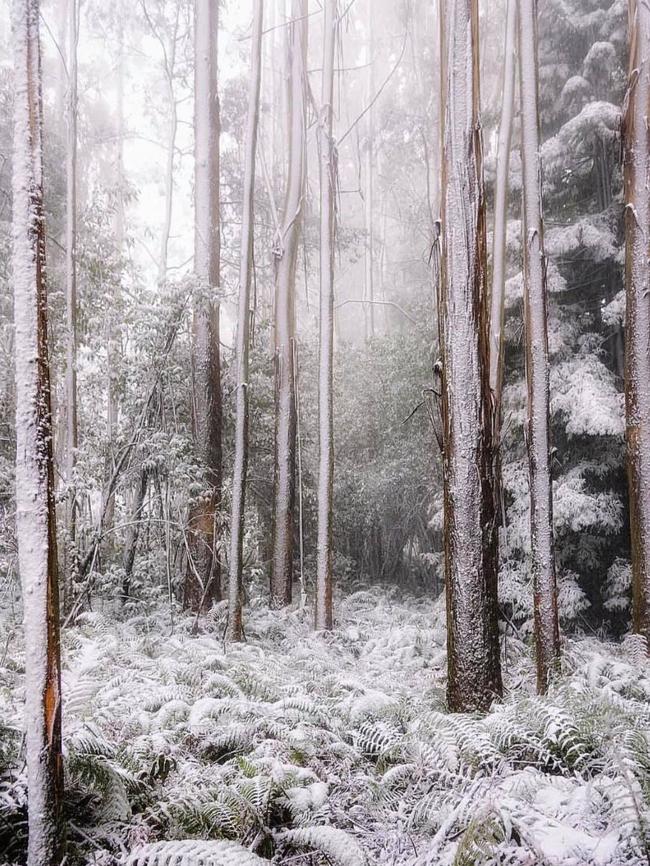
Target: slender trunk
<point>170,66</point>
<point>35,508</point>
<point>71,270</point>
<point>203,579</point>
<point>243,329</point>
<point>547,633</point>
<point>501,213</point>
<point>637,326</point>
<point>368,191</point>
<point>470,526</point>
<point>133,532</point>
<point>285,423</point>
<point>327,165</point>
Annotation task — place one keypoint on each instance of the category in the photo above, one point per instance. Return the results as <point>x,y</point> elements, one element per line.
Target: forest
<point>324,432</point>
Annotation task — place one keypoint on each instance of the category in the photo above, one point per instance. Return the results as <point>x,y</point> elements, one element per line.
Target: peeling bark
<point>235,630</point>
<point>285,326</point>
<point>636,137</point>
<point>547,632</point>
<point>203,579</point>
<point>470,525</point>
<point>35,508</point>
<point>327,176</point>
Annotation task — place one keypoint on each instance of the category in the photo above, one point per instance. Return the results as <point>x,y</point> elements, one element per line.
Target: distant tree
<point>203,580</point>
<point>243,336</point>
<point>327,176</point>
<point>285,318</point>
<point>72,426</point>
<point>35,508</point>
<point>637,325</point>
<point>470,519</point>
<point>547,633</point>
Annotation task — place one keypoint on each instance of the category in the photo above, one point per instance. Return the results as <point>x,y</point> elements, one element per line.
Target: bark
<point>636,136</point>
<point>35,508</point>
<point>203,583</point>
<point>327,166</point>
<point>368,192</point>
<point>71,268</point>
<point>497,311</point>
<point>285,413</point>
<point>470,526</point>
<point>547,633</point>
<point>243,337</point>
<point>133,532</point>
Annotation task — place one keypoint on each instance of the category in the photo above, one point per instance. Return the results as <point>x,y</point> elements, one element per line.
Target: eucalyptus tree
<point>35,501</point>
<point>637,326</point>
<point>285,320</point>
<point>327,178</point>
<point>243,335</point>
<point>470,518</point>
<point>72,428</point>
<point>203,580</point>
<point>547,633</point>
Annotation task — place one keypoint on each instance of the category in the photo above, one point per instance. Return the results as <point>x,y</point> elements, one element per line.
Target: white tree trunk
<point>470,531</point>
<point>547,636</point>
<point>71,266</point>
<point>327,176</point>
<point>35,509</point>
<point>243,335</point>
<point>285,432</point>
<point>637,328</point>
<point>501,209</point>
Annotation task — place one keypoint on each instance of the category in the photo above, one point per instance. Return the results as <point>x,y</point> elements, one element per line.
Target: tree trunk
<point>637,326</point>
<point>327,165</point>
<point>369,252</point>
<point>470,526</point>
<point>285,413</point>
<point>133,532</point>
<point>243,335</point>
<point>203,583</point>
<point>71,270</point>
<point>547,633</point>
<point>35,508</point>
<point>501,214</point>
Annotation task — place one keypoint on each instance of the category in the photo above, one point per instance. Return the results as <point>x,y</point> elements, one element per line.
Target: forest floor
<point>335,749</point>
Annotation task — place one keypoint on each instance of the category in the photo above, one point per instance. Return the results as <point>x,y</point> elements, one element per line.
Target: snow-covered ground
<point>335,749</point>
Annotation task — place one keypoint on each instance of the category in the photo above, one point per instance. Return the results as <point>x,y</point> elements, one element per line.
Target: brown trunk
<point>470,525</point>
<point>637,326</point>
<point>35,508</point>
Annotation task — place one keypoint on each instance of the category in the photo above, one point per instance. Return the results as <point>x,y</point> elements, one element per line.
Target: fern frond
<point>193,853</point>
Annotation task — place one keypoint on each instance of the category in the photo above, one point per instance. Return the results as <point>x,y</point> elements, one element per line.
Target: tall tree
<point>327,176</point>
<point>71,264</point>
<point>35,508</point>
<point>203,581</point>
<point>285,326</point>
<point>637,327</point>
<point>470,525</point>
<point>547,632</point>
<point>243,336</point>
<point>368,192</point>
<point>497,301</point>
